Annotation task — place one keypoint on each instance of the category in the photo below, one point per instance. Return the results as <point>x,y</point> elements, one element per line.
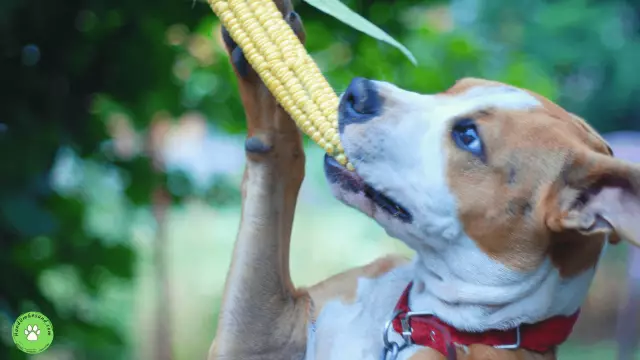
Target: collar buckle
<point>511,346</point>
<point>407,330</point>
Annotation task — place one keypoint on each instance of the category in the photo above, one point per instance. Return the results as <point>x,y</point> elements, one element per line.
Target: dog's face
<point>485,161</point>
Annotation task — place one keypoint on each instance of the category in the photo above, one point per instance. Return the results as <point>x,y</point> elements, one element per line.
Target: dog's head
<point>485,161</point>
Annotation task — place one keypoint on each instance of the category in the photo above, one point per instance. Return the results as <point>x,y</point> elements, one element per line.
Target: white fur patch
<point>354,331</point>
<point>503,97</point>
<point>469,290</point>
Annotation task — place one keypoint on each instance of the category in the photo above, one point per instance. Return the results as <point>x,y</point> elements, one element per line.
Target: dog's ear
<point>597,193</point>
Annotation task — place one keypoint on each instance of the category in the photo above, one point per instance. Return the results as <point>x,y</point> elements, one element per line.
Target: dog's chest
<point>354,330</point>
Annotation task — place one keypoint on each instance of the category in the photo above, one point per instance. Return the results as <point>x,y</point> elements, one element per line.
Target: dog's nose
<point>359,103</point>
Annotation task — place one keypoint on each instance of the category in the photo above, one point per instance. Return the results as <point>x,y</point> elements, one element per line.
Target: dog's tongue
<point>339,174</point>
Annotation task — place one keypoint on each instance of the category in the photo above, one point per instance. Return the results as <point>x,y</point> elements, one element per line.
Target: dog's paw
<point>273,137</point>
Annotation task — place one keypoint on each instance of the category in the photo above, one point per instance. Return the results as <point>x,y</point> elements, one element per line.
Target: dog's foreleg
<point>262,315</point>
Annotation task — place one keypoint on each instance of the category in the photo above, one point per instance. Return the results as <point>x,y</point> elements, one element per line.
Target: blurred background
<point>121,153</point>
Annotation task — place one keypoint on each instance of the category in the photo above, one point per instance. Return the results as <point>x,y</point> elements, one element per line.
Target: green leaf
<point>341,12</point>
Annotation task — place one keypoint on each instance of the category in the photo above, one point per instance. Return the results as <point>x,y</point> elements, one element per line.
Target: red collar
<point>429,331</point>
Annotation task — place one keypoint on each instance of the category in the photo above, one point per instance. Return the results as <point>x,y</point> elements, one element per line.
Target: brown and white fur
<point>510,237</point>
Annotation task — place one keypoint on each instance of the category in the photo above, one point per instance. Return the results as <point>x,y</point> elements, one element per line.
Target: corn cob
<point>279,58</point>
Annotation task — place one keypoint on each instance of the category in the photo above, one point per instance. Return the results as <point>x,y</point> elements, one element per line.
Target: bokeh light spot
<point>30,55</point>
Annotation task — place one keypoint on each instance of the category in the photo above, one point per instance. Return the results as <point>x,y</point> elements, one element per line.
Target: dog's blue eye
<point>465,135</point>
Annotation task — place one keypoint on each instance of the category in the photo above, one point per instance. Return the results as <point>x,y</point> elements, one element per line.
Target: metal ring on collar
<point>387,326</point>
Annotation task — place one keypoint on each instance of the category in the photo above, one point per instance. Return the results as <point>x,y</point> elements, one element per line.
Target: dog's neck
<point>465,288</point>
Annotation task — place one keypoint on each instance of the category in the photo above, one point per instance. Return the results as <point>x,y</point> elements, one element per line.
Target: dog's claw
<point>296,23</point>
<point>228,40</point>
<point>237,56</point>
<point>240,62</point>
<point>256,146</point>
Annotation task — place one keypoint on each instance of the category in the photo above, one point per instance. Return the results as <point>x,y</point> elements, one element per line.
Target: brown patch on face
<point>344,286</point>
<point>503,201</point>
<point>587,133</point>
<point>572,254</point>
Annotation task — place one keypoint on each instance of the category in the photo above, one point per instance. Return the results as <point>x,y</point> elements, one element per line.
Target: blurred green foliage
<point>70,67</point>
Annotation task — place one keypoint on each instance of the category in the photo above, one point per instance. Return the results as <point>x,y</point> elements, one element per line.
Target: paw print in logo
<point>32,332</point>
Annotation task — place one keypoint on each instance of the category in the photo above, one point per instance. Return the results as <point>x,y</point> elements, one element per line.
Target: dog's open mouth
<point>351,181</point>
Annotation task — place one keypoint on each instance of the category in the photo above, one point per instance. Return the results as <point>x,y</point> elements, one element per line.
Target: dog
<point>507,199</point>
